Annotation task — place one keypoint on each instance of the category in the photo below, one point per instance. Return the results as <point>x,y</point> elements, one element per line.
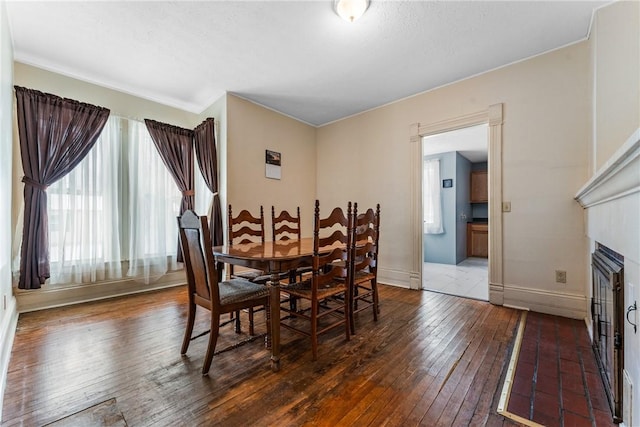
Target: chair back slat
<point>336,216</point>
<point>337,237</point>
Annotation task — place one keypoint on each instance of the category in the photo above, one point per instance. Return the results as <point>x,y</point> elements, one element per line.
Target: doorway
<point>455,207</point>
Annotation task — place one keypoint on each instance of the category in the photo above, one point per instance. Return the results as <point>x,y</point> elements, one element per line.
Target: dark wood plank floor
<point>431,359</point>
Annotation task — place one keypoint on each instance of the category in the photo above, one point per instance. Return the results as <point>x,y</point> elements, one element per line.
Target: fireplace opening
<point>607,314</point>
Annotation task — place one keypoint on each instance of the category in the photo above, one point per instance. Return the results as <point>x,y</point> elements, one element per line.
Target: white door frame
<point>493,116</point>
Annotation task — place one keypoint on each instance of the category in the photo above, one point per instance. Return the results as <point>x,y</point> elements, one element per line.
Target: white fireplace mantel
<point>612,202</point>
<point>618,177</point>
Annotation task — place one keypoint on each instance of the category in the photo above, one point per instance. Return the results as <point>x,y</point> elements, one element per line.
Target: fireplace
<point>607,314</point>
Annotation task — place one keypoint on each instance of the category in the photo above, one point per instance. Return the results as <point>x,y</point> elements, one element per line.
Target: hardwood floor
<point>431,359</point>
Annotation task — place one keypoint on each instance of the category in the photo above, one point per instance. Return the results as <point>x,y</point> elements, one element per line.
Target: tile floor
<point>557,382</point>
<point>468,279</point>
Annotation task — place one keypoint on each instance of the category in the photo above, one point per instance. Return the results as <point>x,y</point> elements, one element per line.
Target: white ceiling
<point>470,142</point>
<point>296,57</point>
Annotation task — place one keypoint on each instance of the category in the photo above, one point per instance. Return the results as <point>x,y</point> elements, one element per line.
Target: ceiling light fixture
<point>350,10</point>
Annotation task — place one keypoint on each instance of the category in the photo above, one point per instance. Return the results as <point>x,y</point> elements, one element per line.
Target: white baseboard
<point>555,303</point>
<point>398,278</point>
<point>7,333</point>
<point>496,293</point>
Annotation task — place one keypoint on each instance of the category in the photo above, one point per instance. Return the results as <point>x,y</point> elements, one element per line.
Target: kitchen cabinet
<point>479,187</point>
<point>478,240</point>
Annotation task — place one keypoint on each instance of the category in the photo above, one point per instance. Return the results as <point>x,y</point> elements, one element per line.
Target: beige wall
<point>252,129</point>
<point>616,47</point>
<point>546,100</point>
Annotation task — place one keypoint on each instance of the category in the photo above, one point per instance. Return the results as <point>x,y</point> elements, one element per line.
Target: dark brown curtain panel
<point>55,135</point>
<point>175,146</point>
<point>204,140</point>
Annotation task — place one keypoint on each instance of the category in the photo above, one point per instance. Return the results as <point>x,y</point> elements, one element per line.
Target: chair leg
<point>314,331</point>
<point>356,290</point>
<point>348,324</point>
<point>376,307</point>
<point>238,328</point>
<point>187,333</point>
<point>267,319</point>
<point>251,329</point>
<point>211,347</point>
<point>352,320</point>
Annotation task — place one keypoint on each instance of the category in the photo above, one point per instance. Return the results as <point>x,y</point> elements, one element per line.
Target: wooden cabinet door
<point>478,240</point>
<point>479,187</point>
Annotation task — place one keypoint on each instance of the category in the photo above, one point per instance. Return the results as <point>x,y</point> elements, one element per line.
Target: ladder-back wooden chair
<point>363,258</point>
<point>327,290</point>
<point>204,287</point>
<point>246,228</point>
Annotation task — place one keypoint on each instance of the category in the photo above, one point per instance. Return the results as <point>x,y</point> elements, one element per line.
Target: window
<point>119,204</point>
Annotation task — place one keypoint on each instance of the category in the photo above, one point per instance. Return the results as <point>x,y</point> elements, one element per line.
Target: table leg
<point>274,294</point>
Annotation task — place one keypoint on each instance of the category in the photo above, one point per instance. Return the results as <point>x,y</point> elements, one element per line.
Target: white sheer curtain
<point>154,201</point>
<point>203,195</point>
<point>119,204</point>
<point>432,210</point>
<point>84,224</point>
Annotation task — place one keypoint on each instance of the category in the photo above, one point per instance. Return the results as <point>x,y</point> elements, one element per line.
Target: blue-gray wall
<point>441,248</point>
<point>463,206</point>
<point>450,247</point>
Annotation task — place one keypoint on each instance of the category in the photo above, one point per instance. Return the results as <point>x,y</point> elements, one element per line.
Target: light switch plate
<point>506,206</point>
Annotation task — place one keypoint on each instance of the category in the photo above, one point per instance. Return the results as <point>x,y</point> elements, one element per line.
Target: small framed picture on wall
<point>273,164</point>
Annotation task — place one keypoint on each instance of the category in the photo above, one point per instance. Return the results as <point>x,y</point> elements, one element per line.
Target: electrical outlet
<point>506,206</point>
<point>561,276</point>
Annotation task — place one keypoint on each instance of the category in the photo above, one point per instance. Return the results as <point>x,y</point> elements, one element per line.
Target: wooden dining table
<point>273,258</point>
